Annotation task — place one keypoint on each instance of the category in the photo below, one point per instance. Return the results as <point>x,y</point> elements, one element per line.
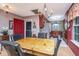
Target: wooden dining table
<point>38,46</point>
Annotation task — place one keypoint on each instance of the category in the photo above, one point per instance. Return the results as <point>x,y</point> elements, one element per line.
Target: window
<point>55,27</point>
<point>76,29</point>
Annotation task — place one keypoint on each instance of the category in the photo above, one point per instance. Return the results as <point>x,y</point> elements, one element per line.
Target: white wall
<point>5,17</point>
<point>33,19</point>
<point>48,27</point>
<point>4,21</point>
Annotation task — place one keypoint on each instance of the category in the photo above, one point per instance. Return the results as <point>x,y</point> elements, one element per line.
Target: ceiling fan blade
<point>35,11</point>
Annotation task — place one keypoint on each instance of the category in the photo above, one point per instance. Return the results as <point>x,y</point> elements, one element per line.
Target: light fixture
<point>45,8</point>
<point>51,16</point>
<point>46,12</point>
<point>6,7</point>
<point>56,18</point>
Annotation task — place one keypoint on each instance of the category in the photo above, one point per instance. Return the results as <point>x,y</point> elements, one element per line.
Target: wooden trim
<point>31,16</point>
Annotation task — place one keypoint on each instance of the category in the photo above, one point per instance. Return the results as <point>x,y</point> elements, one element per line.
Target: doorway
<point>28,29</point>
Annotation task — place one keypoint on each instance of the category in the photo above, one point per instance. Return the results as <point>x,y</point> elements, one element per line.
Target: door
<point>18,28</point>
<point>28,29</point>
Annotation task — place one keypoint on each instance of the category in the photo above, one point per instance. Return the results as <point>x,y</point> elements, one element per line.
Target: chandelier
<point>46,12</point>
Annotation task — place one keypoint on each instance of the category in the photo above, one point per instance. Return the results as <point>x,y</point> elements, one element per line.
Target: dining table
<point>38,46</point>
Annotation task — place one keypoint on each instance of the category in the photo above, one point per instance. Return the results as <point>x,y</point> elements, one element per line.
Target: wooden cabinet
<point>5,37</point>
<point>41,21</point>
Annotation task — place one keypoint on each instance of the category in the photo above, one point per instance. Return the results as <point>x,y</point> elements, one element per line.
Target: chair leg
<point>1,49</point>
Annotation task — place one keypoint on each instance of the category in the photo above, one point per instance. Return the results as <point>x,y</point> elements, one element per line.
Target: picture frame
<point>10,24</point>
<point>34,25</point>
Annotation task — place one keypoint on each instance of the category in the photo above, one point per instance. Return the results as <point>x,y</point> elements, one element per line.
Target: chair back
<point>12,48</point>
<point>17,37</point>
<point>57,47</point>
<point>42,35</point>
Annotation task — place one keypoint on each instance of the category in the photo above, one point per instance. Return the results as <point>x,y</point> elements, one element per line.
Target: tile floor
<point>64,50</point>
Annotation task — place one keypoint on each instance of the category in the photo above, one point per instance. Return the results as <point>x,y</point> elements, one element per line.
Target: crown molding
<point>1,10</point>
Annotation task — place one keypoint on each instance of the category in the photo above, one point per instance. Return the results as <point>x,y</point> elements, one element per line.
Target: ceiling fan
<point>35,11</point>
<point>6,8</point>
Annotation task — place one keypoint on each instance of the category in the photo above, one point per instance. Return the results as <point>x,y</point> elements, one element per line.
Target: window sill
<point>75,42</point>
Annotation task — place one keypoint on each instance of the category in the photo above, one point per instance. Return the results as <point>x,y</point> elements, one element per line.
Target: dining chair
<point>57,47</point>
<point>17,37</point>
<point>0,47</point>
<point>11,38</point>
<point>42,35</point>
<point>14,49</point>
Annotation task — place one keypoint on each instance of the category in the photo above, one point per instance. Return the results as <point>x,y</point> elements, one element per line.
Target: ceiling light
<point>45,9</point>
<point>47,13</point>
<point>56,17</point>
<point>6,7</point>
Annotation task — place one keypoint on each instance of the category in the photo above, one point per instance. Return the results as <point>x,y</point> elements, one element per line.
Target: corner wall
<point>71,14</point>
<point>34,18</point>
<point>5,17</point>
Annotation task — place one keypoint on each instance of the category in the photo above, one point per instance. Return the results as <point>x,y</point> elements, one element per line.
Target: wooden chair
<point>34,35</point>
<point>57,47</point>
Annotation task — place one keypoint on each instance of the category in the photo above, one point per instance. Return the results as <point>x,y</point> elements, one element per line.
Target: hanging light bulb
<point>45,8</point>
<point>46,12</point>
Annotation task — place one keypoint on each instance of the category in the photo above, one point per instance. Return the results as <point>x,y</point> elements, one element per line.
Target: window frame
<point>73,32</point>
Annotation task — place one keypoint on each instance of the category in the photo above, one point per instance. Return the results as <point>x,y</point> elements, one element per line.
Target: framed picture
<point>10,24</point>
<point>34,25</point>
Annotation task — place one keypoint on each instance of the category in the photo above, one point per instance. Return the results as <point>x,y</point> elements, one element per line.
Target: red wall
<point>18,27</point>
<point>73,47</point>
<point>70,16</point>
<point>69,31</point>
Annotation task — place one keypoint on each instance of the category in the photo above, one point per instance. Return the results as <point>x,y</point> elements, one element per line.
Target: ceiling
<point>24,9</point>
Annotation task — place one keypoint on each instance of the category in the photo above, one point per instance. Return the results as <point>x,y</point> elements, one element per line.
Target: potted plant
<point>5,35</point>
<point>5,32</point>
